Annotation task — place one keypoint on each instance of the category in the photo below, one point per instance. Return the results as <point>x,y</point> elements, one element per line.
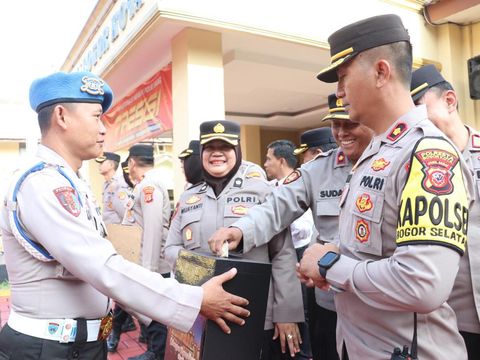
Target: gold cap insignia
<point>339,103</point>
<point>219,128</point>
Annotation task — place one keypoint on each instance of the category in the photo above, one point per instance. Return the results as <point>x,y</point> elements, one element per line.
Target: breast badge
<point>362,231</point>
<point>380,164</point>
<point>239,210</point>
<point>364,203</point>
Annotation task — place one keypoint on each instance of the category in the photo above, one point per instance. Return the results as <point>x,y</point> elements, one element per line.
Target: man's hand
<point>289,333</point>
<point>219,305</point>
<point>231,234</point>
<point>307,270</point>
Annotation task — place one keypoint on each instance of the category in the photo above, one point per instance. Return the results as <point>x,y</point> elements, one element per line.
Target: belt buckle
<point>105,327</point>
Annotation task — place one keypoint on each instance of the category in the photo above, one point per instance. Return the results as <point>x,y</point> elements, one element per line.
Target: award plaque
<point>205,340</point>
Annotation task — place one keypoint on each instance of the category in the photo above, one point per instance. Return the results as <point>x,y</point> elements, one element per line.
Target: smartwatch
<point>327,261</point>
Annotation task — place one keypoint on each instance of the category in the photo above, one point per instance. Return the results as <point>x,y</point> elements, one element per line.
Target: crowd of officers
<point>372,240</point>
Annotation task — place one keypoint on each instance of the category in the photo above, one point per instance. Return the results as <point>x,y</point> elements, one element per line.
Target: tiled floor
<point>128,346</point>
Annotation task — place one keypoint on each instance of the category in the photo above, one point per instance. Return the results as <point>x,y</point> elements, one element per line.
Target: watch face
<point>327,259</point>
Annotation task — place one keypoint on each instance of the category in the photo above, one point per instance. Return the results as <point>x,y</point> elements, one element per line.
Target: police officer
<point>114,198</point>
<point>108,165</point>
<point>230,189</point>
<point>314,142</point>
<point>305,190</point>
<point>151,210</point>
<point>191,164</point>
<point>396,259</point>
<point>431,89</point>
<point>62,271</point>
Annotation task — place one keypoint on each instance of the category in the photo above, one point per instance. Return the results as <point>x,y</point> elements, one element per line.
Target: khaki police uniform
<point>151,211</point>
<point>465,296</point>
<point>56,212</point>
<point>402,231</point>
<point>200,213</point>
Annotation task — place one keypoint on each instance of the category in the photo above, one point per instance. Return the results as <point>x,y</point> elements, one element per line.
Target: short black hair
<point>284,149</point>
<point>45,116</point>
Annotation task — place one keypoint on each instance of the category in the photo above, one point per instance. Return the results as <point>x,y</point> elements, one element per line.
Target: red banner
<point>143,114</point>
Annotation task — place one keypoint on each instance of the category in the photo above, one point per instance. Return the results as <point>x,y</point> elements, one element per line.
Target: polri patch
<point>148,194</point>
<point>67,197</point>
<point>437,165</point>
<point>292,177</point>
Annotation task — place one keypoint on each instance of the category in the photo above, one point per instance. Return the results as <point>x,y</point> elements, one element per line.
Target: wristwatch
<point>327,261</point>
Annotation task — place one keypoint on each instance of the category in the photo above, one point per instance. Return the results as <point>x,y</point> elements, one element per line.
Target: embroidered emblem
<point>193,199</point>
<point>364,203</point>
<point>362,231</point>
<point>254,174</point>
<point>476,141</point>
<point>188,234</point>
<point>53,328</point>
<point>92,86</point>
<point>339,102</point>
<point>437,168</point>
<point>380,164</point>
<point>341,159</point>
<point>219,128</point>
<point>68,199</point>
<point>397,131</point>
<point>122,195</point>
<point>105,327</point>
<point>148,194</point>
<point>292,177</point>
<point>239,210</point>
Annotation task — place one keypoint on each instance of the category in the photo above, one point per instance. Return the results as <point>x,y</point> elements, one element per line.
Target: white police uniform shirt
<point>402,231</point>
<point>115,197</point>
<point>151,211</point>
<point>465,296</point>
<point>200,212</point>
<point>86,269</point>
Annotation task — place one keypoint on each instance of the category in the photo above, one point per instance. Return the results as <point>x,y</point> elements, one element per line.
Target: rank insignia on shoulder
<point>476,141</point>
<point>397,131</point>
<point>193,199</point>
<point>292,177</point>
<point>148,193</point>
<point>238,182</point>
<point>254,174</point>
<point>67,197</point>
<point>341,158</point>
<point>380,164</point>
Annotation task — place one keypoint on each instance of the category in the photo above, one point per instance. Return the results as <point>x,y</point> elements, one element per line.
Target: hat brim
<point>339,116</point>
<point>233,142</point>
<point>329,74</point>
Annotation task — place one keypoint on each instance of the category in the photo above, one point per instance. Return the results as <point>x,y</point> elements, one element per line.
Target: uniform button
<point>75,354</point>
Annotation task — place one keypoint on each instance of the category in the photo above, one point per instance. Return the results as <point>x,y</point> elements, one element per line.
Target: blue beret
<point>77,87</point>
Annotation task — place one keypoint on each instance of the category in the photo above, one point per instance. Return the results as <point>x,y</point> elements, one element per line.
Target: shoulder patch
<point>434,202</point>
<point>67,197</point>
<point>292,177</point>
<point>148,194</point>
<point>397,131</point>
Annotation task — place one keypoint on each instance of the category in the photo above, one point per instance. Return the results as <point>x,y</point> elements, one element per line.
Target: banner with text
<point>144,113</point>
